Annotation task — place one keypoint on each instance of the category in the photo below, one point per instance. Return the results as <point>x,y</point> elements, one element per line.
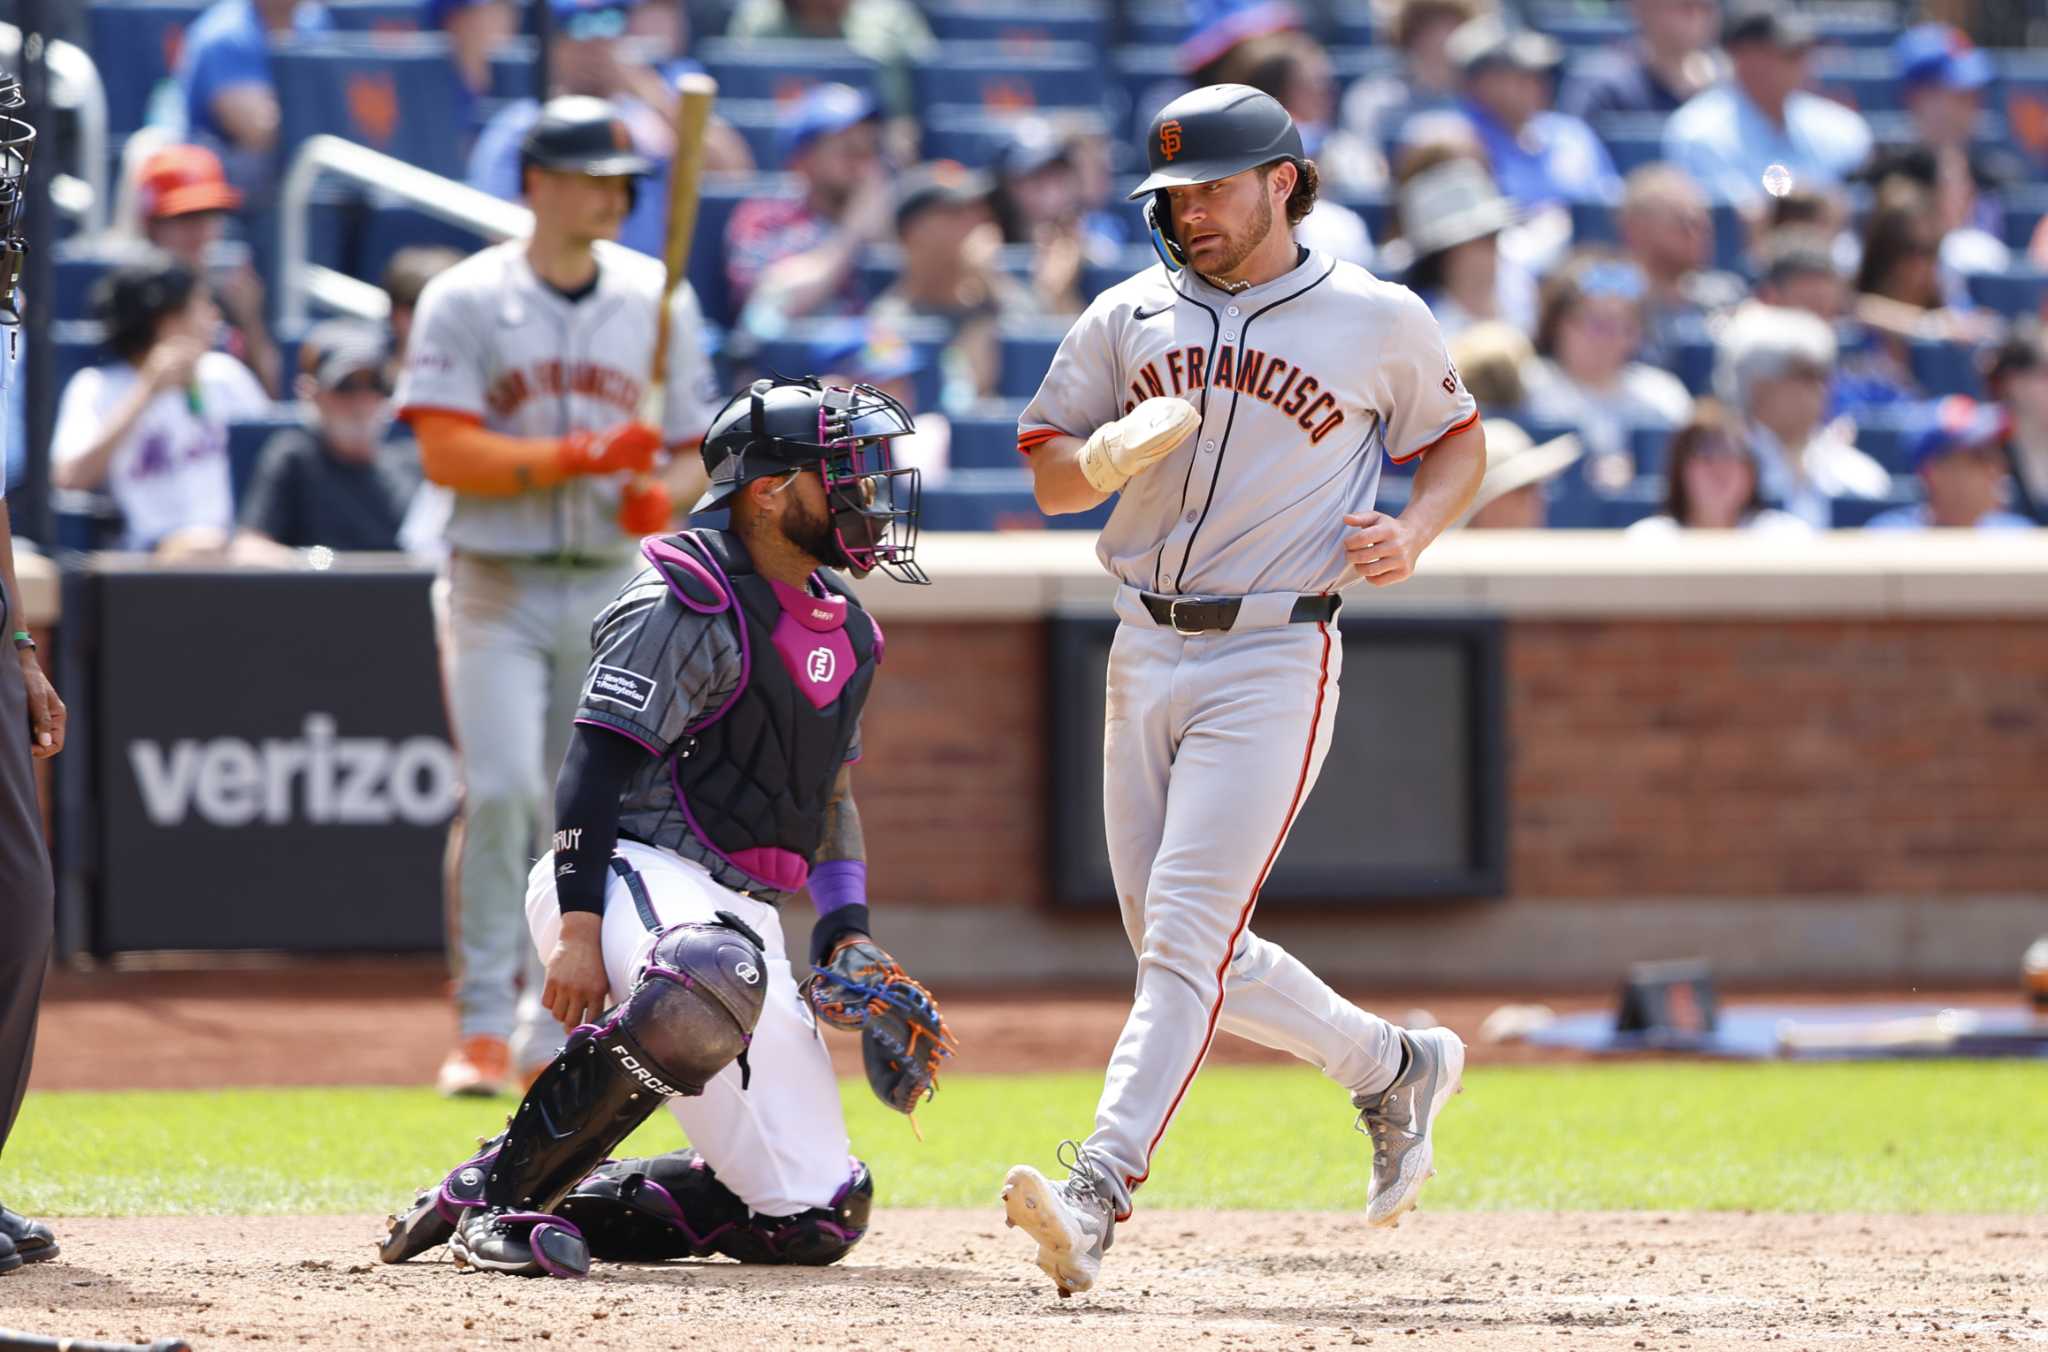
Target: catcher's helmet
<point>582,135</point>
<point>776,427</point>
<point>1207,134</point>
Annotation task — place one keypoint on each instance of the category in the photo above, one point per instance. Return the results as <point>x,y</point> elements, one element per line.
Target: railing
<point>305,283</point>
<point>74,82</point>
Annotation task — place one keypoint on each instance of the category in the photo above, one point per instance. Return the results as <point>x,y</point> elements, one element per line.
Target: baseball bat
<point>11,1341</point>
<point>694,93</point>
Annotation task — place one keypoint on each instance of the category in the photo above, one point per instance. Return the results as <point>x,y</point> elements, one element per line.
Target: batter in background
<point>523,379</point>
<point>1237,400</point>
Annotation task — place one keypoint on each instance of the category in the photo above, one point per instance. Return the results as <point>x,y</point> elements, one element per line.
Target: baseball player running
<point>708,780</point>
<point>522,382</point>
<point>1238,399</point>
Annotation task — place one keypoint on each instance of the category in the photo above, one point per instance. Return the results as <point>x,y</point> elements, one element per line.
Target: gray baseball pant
<point>515,648</point>
<point>1211,745</point>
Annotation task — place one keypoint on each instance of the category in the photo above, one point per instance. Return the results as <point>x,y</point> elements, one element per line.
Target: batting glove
<point>1146,434</point>
<point>645,507</point>
<point>626,445</point>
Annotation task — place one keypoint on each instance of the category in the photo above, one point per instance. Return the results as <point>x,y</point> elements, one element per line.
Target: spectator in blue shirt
<point>1962,471</point>
<point>224,71</point>
<point>1763,119</point>
<point>587,55</point>
<point>1670,59</point>
<point>1540,158</point>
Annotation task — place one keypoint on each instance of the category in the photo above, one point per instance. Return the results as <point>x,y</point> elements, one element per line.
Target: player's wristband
<point>24,640</point>
<point>839,882</point>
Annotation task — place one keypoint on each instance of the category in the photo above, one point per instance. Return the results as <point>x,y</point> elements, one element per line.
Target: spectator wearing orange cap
<point>185,198</point>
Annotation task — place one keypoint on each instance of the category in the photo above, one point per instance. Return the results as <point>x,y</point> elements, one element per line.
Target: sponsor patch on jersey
<point>619,686</point>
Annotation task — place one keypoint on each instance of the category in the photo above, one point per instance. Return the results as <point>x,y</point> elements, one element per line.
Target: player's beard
<point>1237,248</point>
<point>813,533</point>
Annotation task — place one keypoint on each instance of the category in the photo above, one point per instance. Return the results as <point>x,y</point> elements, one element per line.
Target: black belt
<point>1206,614</point>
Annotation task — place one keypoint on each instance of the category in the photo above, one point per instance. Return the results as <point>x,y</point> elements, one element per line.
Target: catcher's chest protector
<point>754,776</point>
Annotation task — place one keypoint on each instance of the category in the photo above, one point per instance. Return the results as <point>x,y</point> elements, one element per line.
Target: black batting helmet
<point>1207,134</point>
<point>581,135</point>
<point>777,427</point>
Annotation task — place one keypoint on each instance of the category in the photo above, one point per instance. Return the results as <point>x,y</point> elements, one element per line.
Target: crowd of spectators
<point>1713,334</point>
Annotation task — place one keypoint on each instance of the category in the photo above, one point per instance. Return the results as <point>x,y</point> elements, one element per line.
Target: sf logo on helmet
<point>1169,139</point>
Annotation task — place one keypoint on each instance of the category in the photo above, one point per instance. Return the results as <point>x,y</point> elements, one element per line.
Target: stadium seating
<point>396,93</point>
<point>515,70</point>
<point>1945,368</point>
<point>986,437</point>
<point>375,16</point>
<point>1632,139</point>
<point>136,44</point>
<point>1854,512</point>
<point>996,499</point>
<point>1027,348</point>
<point>2014,293</point>
<point>245,443</point>
<point>782,69</point>
<point>717,198</point>
<point>1023,28</point>
<point>976,136</point>
<point>76,344</point>
<point>993,76</point>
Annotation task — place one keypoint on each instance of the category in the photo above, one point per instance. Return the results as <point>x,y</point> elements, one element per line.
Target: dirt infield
<point>945,1280</point>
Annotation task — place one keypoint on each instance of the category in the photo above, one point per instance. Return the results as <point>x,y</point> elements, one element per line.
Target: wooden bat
<point>694,94</point>
<point>1922,1031</point>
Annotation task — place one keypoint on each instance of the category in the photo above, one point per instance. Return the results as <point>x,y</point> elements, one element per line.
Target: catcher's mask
<point>17,144</point>
<point>843,432</point>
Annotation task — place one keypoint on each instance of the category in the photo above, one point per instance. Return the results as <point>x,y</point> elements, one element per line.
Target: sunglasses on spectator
<point>362,383</point>
<point>592,25</point>
<point>1717,449</point>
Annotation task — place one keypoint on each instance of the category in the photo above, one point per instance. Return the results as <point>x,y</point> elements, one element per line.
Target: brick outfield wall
<point>1751,758</point>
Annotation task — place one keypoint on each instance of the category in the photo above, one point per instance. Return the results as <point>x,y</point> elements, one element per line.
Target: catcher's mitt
<point>903,1036</point>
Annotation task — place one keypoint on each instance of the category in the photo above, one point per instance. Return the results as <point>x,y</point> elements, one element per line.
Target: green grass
<point>1952,1136</point>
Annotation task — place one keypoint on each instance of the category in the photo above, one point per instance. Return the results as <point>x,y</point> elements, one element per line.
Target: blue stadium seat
<point>1155,23</point>
<point>1578,29</point>
<point>989,75</point>
<point>1594,223</point>
<point>1027,350</point>
<point>81,263</point>
<point>1351,25</point>
<point>781,69</point>
<point>1021,27</point>
<point>1649,447</point>
<point>1619,511</point>
<point>976,136</point>
<point>1633,139</point>
<point>245,443</point>
<point>794,352</point>
<point>981,499</point>
<point>2024,206</point>
<point>1849,513</point>
<point>392,226</point>
<point>1694,363</point>
<point>76,344</point>
<point>1945,368</point>
<point>375,16</point>
<point>395,93</point>
<point>1864,79</point>
<point>987,439</point>
<point>1886,436</point>
<point>758,121</point>
<point>1098,277</point>
<point>2016,292</point>
<point>515,70</point>
<point>135,44</point>
<point>1377,209</point>
<point>717,198</point>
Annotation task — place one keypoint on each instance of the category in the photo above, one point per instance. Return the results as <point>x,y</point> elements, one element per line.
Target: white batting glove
<point>1146,434</point>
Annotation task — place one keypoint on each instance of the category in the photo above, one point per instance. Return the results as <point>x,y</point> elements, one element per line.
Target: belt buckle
<point>1173,615</point>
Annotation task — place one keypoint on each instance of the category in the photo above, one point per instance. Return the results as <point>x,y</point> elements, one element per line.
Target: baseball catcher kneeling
<point>707,782</point>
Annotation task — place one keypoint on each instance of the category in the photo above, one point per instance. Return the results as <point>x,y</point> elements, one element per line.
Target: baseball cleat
<point>31,1241</point>
<point>520,1243</point>
<point>1399,1118</point>
<point>431,1219</point>
<point>1070,1221</point>
<point>479,1068</point>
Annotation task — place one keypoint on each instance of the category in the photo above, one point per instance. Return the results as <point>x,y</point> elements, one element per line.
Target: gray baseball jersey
<point>494,342</point>
<point>656,667</point>
<point>1303,383</point>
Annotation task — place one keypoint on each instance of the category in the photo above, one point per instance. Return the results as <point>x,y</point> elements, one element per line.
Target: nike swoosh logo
<point>1147,314</point>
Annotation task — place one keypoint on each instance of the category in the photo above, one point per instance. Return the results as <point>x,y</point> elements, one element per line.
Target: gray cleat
<point>1072,1221</point>
<point>1399,1118</point>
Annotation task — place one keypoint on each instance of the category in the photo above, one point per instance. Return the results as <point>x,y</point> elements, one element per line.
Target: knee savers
<point>674,1206</point>
<point>691,1013</point>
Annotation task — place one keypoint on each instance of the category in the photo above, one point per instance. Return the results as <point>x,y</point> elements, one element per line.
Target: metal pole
<point>543,32</point>
<point>30,505</point>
